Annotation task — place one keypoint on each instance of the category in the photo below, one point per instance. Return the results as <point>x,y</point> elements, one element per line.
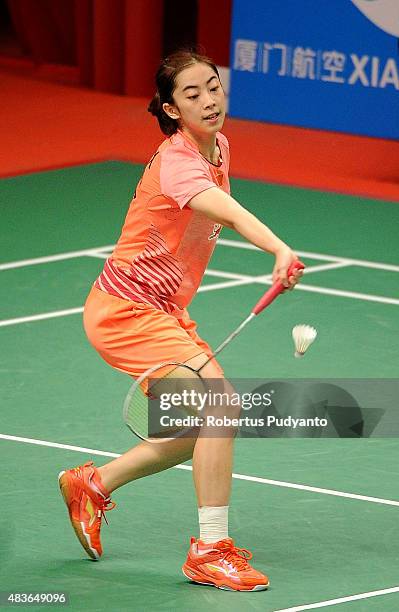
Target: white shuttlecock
<point>303,336</point>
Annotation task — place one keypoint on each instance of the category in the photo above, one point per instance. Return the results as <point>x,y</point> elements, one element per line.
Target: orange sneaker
<point>224,566</point>
<point>87,501</point>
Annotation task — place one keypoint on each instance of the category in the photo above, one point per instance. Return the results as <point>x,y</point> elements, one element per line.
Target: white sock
<point>213,522</point>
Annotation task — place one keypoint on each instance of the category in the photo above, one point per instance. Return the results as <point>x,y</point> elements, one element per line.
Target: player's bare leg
<point>211,456</point>
<point>144,459</point>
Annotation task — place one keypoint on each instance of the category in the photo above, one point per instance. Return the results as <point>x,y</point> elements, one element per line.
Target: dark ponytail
<point>166,83</point>
<point>168,125</point>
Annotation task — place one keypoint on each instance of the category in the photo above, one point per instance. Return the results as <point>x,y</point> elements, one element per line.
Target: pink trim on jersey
<point>115,281</point>
<point>156,266</point>
<point>156,271</point>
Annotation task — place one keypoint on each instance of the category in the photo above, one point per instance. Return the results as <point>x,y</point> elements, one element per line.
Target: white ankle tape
<point>213,522</point>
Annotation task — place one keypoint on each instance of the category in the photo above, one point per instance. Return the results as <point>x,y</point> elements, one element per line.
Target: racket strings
<point>143,409</point>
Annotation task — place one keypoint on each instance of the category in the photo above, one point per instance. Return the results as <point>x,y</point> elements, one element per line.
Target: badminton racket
<point>165,379</point>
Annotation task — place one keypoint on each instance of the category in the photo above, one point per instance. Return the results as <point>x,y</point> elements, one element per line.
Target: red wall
<point>213,29</point>
<point>115,45</point>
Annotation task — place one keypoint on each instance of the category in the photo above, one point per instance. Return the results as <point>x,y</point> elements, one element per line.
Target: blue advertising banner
<point>326,64</point>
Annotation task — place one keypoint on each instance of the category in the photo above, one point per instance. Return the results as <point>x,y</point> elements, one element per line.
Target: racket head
<point>141,408</point>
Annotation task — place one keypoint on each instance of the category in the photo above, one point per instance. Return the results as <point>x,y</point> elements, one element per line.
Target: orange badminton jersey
<point>165,246</point>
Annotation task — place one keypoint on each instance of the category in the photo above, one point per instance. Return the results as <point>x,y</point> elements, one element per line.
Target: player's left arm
<point>223,209</point>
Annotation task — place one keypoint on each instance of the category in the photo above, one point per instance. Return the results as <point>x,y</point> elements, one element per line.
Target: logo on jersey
<point>215,232</point>
<point>383,13</point>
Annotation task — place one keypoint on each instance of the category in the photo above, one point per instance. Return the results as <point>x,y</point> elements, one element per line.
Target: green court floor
<point>61,405</point>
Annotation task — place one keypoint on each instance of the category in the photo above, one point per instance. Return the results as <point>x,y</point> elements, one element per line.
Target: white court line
<point>232,275</point>
<point>71,311</point>
<point>268,481</point>
<point>309,269</point>
<point>50,258</point>
<point>97,252</point>
<point>99,255</point>
<point>41,317</point>
<point>336,261</point>
<point>327,266</point>
<point>321,256</point>
<point>236,280</point>
<point>264,279</point>
<point>79,449</point>
<point>347,294</point>
<point>333,602</point>
<point>289,485</point>
<point>225,285</point>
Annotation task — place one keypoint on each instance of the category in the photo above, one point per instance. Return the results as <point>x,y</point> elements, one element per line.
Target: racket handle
<point>276,289</point>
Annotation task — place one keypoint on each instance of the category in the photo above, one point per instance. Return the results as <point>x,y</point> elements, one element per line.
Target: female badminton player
<point>135,315</point>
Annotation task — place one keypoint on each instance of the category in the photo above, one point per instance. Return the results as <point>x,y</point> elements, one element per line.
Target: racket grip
<point>276,289</point>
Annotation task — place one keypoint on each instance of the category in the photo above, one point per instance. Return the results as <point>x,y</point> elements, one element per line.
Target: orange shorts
<point>133,337</point>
